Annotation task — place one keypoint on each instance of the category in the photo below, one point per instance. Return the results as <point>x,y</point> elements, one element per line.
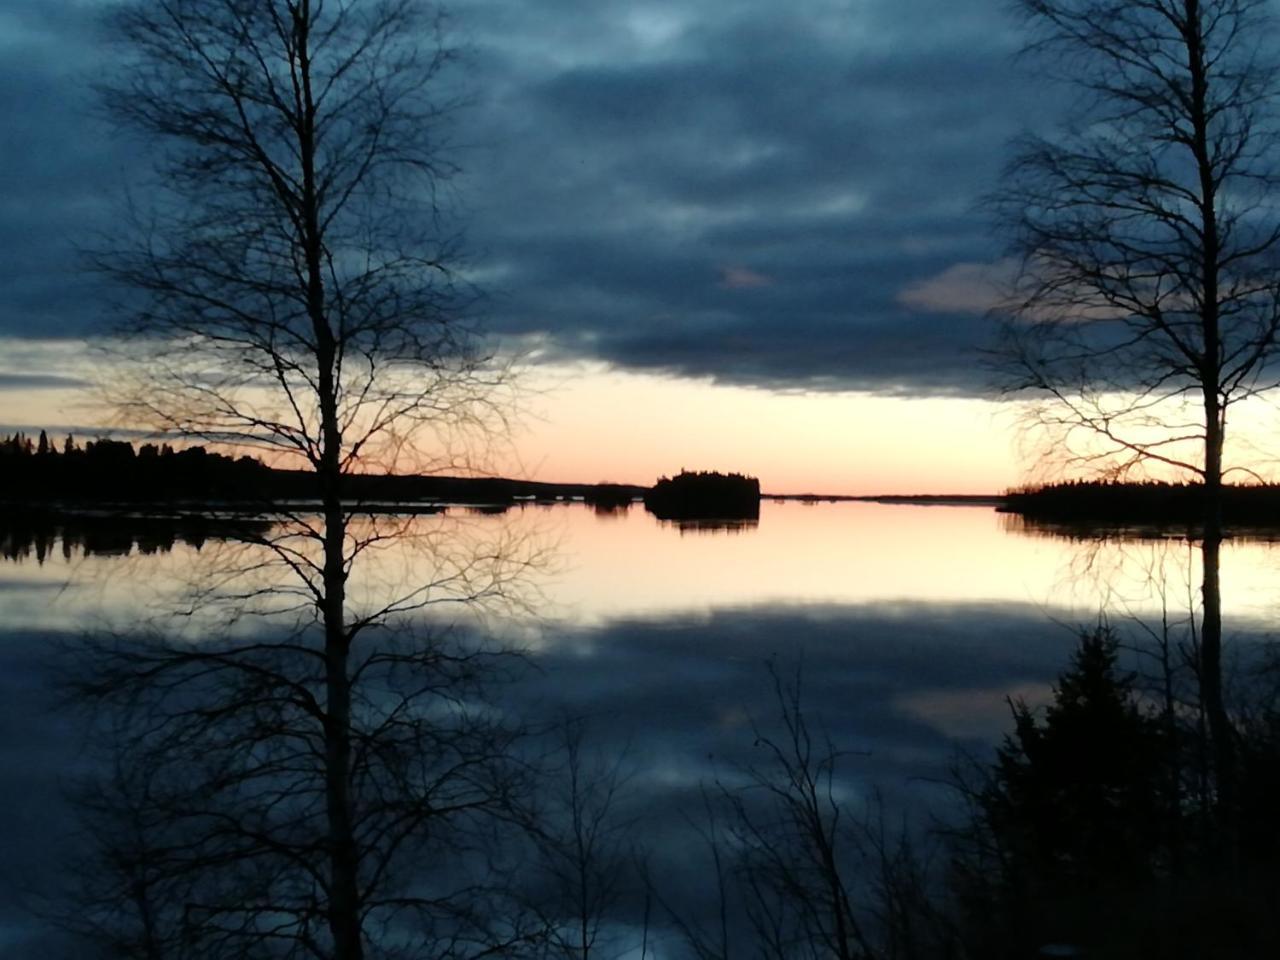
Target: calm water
<point>592,569</point>
<point>934,613</point>
<point>910,626</point>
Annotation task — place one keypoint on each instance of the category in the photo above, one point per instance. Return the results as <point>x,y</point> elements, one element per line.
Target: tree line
<point>106,469</point>
<point>1120,502</point>
<point>106,472</point>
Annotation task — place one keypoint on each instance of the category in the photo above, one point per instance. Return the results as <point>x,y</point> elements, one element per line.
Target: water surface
<point>596,567</point>
<point>909,626</point>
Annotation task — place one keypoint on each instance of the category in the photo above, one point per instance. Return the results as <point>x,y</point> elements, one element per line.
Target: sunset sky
<point>736,234</point>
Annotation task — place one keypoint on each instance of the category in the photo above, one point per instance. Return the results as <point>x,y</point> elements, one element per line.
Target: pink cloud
<point>740,278</point>
<point>962,288</point>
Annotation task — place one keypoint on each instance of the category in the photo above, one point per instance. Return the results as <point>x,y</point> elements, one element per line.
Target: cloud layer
<point>745,191</point>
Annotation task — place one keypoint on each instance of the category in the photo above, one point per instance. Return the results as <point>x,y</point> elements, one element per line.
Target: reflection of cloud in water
<point>692,685</point>
<point>906,685</point>
<point>900,686</point>
<point>904,688</point>
<point>973,714</point>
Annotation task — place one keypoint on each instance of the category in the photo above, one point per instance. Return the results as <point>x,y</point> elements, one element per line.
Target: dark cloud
<point>38,381</point>
<point>839,152</point>
<point>622,160</point>
<point>61,173</point>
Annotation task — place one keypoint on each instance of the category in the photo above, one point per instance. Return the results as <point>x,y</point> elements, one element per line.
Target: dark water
<point>909,627</point>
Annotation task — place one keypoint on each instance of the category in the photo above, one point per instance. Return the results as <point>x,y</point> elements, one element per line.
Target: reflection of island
<point>705,496</point>
<point>712,526</point>
<point>610,498</point>
<point>489,509</point>
<point>40,534</point>
<point>1089,509</point>
<point>1082,531</point>
<point>1093,531</point>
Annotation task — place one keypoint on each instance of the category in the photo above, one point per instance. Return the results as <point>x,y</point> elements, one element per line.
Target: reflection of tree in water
<point>41,536</point>
<point>698,527</point>
<point>1085,531</point>
<point>610,511</point>
<point>489,509</point>
<point>1146,575</point>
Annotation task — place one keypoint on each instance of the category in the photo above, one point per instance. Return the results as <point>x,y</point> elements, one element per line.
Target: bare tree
<point>587,862</point>
<point>799,883</point>
<point>210,835</point>
<point>1148,305</point>
<point>120,894</point>
<point>292,290</point>
<point>802,868</point>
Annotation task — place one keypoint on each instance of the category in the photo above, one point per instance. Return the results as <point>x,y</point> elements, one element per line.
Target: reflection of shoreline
<point>1079,531</point>
<point>906,499</point>
<point>42,535</point>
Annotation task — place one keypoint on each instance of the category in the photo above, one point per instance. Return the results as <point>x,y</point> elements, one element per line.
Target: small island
<point>704,495</point>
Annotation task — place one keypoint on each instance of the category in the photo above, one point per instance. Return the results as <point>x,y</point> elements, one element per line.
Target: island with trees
<point>704,495</point>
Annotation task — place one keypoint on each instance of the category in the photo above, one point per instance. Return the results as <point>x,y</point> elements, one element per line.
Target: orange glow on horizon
<point>593,424</point>
<point>588,423</point>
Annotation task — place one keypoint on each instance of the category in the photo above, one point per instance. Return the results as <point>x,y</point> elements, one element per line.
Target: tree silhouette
<point>291,290</point>
<point>1072,821</point>
<point>1148,305</point>
<point>802,866</point>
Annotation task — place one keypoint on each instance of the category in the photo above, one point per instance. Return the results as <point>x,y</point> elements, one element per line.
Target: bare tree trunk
<point>1214,412</point>
<point>1220,731</point>
<point>344,897</point>
<point>1210,667</point>
<point>344,893</point>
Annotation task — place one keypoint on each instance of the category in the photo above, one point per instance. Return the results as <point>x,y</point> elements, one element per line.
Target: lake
<point>907,626</point>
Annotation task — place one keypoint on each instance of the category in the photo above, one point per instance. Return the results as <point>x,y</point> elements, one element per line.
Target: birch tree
<point>292,289</point>
<point>1147,309</point>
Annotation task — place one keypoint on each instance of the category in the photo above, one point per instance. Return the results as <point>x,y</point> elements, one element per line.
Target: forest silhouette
<point>1151,502</point>
<point>109,471</point>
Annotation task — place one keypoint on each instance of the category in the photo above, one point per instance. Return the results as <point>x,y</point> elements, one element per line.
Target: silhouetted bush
<point>1083,834</point>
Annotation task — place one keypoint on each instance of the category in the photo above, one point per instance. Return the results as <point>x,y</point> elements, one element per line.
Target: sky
<point>730,234</point>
